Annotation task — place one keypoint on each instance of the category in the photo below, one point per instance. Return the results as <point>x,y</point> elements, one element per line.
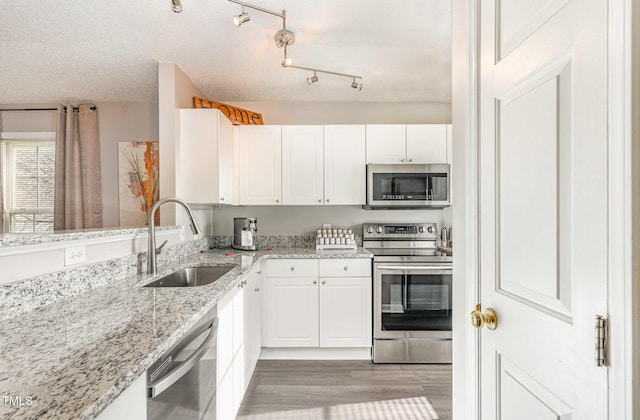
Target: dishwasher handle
<point>160,385</point>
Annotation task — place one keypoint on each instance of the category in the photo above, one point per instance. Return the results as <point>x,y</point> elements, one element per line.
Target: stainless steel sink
<point>191,276</point>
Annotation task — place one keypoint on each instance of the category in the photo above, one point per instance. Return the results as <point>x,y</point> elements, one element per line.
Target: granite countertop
<point>72,358</point>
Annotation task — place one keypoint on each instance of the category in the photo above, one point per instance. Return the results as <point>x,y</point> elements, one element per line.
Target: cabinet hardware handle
<point>410,160</point>
<point>402,160</point>
<point>346,267</point>
<point>324,282</point>
<point>259,272</point>
<point>292,268</point>
<point>319,200</point>
<point>328,200</point>
<point>239,285</point>
<point>277,201</point>
<point>315,282</point>
<point>257,290</point>
<point>221,198</point>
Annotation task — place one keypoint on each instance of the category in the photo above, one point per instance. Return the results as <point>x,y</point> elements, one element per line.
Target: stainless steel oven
<point>412,294</point>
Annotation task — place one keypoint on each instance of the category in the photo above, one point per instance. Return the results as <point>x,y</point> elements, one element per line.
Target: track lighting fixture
<point>312,79</point>
<point>176,6</point>
<point>285,38</point>
<point>241,18</point>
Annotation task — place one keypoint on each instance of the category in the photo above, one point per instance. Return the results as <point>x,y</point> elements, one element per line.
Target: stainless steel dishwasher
<point>182,383</point>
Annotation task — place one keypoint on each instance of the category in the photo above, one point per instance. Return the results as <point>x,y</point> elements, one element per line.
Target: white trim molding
<point>466,349</point>
<point>623,229</point>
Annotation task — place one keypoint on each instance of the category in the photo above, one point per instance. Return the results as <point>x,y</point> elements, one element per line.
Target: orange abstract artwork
<point>138,168</point>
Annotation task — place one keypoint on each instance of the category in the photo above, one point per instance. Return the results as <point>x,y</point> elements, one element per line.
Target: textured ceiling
<point>106,51</point>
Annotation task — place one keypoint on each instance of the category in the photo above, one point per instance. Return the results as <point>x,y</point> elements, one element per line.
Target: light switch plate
<point>75,255</point>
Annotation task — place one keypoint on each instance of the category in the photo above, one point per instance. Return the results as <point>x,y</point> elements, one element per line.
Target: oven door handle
<point>413,267</point>
<point>161,385</point>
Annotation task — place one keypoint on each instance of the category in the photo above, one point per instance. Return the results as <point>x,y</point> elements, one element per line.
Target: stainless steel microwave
<point>407,186</point>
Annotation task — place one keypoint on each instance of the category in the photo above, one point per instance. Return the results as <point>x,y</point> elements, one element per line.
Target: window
<point>29,166</point>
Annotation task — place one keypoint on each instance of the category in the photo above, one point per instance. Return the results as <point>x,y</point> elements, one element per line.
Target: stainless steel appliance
<point>245,233</point>
<point>407,186</point>
<point>411,293</point>
<point>182,383</point>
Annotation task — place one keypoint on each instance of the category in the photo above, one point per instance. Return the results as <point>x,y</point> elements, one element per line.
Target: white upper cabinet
<point>302,167</point>
<point>205,164</point>
<point>344,164</point>
<point>413,143</point>
<point>386,143</point>
<point>426,143</point>
<point>260,164</point>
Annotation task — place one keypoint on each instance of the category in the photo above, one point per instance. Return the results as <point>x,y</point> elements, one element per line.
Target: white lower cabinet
<point>318,303</point>
<point>252,322</point>
<point>131,404</point>
<point>238,313</point>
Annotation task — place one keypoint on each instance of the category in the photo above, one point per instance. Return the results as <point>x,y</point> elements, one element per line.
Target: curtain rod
<point>75,109</point>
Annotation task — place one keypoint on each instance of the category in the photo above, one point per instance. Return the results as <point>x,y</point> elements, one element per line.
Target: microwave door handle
<point>162,384</point>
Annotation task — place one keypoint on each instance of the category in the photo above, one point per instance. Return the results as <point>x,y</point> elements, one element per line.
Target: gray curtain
<point>1,184</point>
<point>78,187</point>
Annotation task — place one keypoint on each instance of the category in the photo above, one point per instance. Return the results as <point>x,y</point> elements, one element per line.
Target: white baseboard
<point>301,353</point>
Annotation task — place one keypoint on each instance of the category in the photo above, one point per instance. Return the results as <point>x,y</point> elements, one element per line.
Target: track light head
<point>284,37</point>
<point>241,18</point>
<point>176,6</point>
<point>312,79</point>
<point>356,85</point>
<point>286,62</point>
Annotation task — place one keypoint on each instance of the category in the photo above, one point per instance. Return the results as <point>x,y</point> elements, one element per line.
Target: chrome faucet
<point>152,263</point>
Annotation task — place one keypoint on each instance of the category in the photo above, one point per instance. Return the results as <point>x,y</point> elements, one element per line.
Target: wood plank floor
<point>331,390</point>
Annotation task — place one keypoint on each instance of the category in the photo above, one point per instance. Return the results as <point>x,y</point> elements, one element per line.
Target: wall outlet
<point>75,255</point>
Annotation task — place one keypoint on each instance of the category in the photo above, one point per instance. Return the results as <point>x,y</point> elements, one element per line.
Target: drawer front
<point>347,267</point>
<point>292,268</point>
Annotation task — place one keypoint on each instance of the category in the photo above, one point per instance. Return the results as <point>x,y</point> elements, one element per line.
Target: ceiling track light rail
<point>285,38</point>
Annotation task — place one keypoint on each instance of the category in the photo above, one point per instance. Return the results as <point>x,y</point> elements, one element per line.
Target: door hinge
<point>601,341</point>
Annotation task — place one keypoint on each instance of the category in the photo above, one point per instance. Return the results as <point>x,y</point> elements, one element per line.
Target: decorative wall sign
<point>138,181</point>
<point>237,116</point>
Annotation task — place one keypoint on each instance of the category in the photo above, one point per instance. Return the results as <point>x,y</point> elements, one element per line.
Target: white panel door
<point>344,164</point>
<point>302,177</point>
<point>386,143</point>
<point>260,164</point>
<point>345,312</point>
<point>426,143</point>
<point>543,183</point>
<point>292,312</point>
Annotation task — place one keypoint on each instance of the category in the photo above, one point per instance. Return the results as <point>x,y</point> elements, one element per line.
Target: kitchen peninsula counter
<point>72,358</point>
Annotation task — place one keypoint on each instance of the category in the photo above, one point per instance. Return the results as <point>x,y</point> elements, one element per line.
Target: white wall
<point>304,220</point>
<point>351,112</point>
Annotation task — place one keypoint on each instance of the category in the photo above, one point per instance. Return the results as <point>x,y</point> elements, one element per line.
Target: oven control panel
<point>400,230</point>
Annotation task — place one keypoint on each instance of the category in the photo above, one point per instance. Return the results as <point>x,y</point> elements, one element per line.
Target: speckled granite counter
<point>74,357</point>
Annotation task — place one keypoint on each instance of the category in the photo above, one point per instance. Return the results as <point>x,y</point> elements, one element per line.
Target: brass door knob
<point>488,318</point>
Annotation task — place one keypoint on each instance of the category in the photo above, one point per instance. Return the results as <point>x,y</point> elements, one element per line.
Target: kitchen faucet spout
<point>152,262</point>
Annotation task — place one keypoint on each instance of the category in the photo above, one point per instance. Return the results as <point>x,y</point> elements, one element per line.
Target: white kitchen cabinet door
<point>252,323</point>
<point>224,398</point>
<point>204,166</point>
<point>302,164</point>
<point>426,143</point>
<point>292,312</point>
<point>345,312</point>
<point>260,164</point>
<point>344,164</point>
<point>386,143</point>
